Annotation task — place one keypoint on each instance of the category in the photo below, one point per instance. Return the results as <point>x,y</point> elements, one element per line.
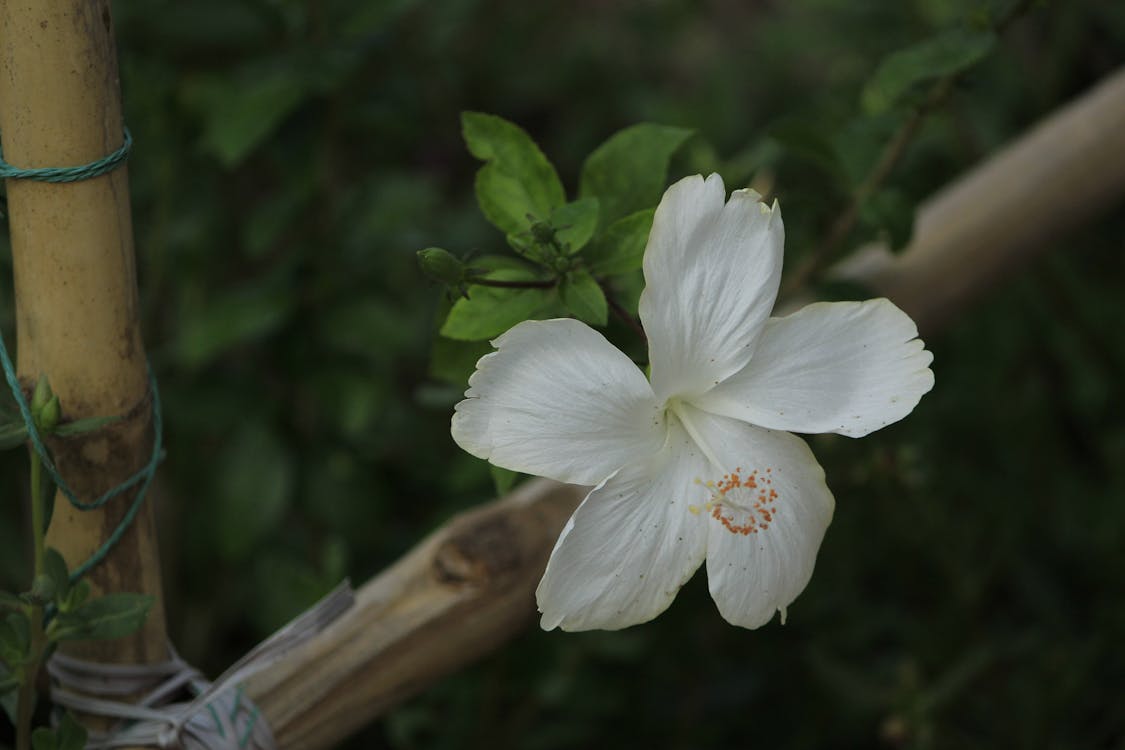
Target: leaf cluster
<point>568,254</point>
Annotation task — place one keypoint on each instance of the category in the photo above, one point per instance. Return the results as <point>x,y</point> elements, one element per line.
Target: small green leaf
<point>503,479</point>
<point>82,426</point>
<point>9,693</point>
<point>233,318</point>
<point>254,489</point>
<point>44,739</point>
<point>111,616</point>
<point>810,141</point>
<point>12,435</point>
<point>621,247</point>
<point>242,110</point>
<point>627,173</point>
<point>518,180</point>
<point>489,311</point>
<point>575,223</point>
<point>71,734</point>
<point>584,298</point>
<point>15,630</point>
<point>76,597</point>
<point>55,568</point>
<point>948,53</point>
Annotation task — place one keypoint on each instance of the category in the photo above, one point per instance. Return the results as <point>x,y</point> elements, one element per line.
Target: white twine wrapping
<point>219,717</point>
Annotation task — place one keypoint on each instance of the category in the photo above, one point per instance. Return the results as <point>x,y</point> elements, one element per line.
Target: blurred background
<point>293,155</point>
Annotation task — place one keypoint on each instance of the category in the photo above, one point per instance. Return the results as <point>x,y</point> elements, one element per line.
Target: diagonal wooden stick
<point>459,594</point>
<point>469,587</point>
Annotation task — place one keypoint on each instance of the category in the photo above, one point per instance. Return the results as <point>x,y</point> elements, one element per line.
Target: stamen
<point>743,503</point>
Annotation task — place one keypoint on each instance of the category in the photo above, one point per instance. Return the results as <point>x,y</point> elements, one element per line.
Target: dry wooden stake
<point>75,285</point>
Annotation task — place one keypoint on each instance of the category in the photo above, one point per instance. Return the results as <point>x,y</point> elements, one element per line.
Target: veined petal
<point>630,545</point>
<point>711,273</point>
<point>767,514</point>
<point>846,367</point>
<point>557,400</point>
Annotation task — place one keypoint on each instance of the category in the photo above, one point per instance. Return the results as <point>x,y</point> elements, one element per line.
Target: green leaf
<point>454,361</point>
<point>44,739</point>
<point>15,635</point>
<point>489,311</point>
<point>82,426</point>
<point>54,566</point>
<point>948,53</point>
<point>517,180</point>
<point>9,693</point>
<point>111,616</point>
<point>234,318</point>
<point>584,298</point>
<point>241,111</point>
<point>621,247</point>
<point>811,141</point>
<point>254,490</point>
<point>503,479</point>
<point>12,435</point>
<point>627,173</point>
<point>76,597</point>
<point>71,734</point>
<point>575,224</point>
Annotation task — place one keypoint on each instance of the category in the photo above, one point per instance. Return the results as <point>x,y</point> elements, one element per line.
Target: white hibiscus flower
<point>699,463</point>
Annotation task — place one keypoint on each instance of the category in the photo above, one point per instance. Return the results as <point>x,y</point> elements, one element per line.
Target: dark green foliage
<point>292,157</point>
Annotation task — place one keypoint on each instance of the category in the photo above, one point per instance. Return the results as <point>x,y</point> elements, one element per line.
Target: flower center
<point>743,503</point>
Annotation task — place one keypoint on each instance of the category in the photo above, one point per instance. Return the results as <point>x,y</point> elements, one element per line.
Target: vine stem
<point>892,153</point>
<point>888,160</point>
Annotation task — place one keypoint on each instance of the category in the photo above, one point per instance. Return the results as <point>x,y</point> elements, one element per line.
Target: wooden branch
<point>469,586</point>
<point>76,293</point>
<point>987,225</point>
<point>459,594</point>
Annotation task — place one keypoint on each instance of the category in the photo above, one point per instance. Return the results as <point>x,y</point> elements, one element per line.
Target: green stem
<point>506,284</point>
<point>38,637</point>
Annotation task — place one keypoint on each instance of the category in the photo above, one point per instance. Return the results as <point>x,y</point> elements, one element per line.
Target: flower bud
<point>42,589</point>
<point>41,395</point>
<point>440,265</point>
<point>48,418</point>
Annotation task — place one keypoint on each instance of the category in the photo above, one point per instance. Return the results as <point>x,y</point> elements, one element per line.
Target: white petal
<point>558,400</point>
<point>711,273</point>
<point>630,545</point>
<point>769,510</point>
<point>846,367</point>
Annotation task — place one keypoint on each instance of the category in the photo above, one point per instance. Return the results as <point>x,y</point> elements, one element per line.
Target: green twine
<point>145,475</point>
<point>69,174</point>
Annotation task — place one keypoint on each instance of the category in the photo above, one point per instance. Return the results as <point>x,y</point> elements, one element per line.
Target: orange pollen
<point>743,504</point>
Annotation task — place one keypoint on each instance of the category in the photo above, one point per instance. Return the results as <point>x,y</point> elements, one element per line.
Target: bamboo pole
<point>75,286</point>
<point>469,586</point>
